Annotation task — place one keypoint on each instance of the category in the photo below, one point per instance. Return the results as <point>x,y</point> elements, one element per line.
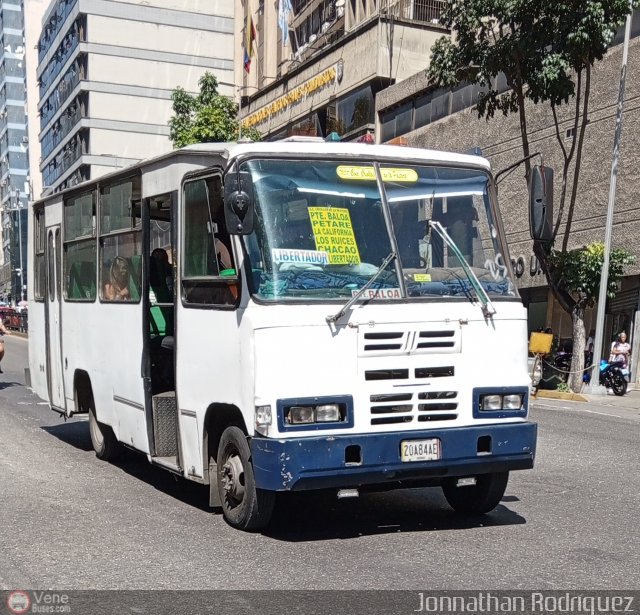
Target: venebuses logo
<point>18,602</point>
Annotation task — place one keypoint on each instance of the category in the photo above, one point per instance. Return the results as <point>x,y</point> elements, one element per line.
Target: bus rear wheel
<point>476,499</point>
<point>244,507</point>
<point>104,441</point>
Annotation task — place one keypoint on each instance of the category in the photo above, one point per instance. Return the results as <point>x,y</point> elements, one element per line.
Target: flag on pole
<point>284,9</point>
<point>249,39</point>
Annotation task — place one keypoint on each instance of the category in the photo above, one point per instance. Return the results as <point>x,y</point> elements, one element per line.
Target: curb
<point>18,334</point>
<point>560,395</point>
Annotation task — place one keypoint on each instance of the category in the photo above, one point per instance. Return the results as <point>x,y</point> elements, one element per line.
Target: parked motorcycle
<point>611,377</point>
<point>562,363</point>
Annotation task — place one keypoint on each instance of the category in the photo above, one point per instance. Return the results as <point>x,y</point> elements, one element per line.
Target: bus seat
<point>161,320</point>
<point>134,286</point>
<point>82,280</point>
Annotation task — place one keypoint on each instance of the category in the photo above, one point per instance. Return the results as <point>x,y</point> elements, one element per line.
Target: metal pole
<point>21,261</point>
<point>594,387</point>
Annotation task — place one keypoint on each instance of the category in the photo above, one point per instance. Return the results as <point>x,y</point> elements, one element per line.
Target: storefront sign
<point>331,75</point>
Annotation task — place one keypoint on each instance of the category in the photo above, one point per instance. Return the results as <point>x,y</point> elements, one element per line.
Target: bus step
<point>164,424</point>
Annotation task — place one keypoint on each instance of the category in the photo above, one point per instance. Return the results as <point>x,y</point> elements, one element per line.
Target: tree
<point>578,271</point>
<point>546,51</point>
<point>208,117</point>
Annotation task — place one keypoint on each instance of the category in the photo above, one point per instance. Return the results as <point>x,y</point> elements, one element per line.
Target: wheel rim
<point>618,385</point>
<point>96,434</point>
<point>232,478</point>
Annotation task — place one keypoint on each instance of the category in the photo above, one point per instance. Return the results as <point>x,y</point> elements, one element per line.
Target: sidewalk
<point>631,399</point>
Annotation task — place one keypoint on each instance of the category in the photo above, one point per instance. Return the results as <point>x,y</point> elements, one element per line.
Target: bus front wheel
<point>104,441</point>
<point>243,506</point>
<point>476,499</point>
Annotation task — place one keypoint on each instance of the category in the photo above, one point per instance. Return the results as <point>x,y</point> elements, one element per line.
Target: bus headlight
<point>508,402</point>
<point>300,415</point>
<point>492,402</point>
<point>512,402</point>
<point>327,413</point>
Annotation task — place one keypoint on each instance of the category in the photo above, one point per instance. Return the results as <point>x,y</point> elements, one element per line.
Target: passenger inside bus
<point>161,276</point>
<point>117,286</point>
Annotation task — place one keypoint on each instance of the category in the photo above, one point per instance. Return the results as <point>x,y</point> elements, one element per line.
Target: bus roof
<point>333,148</point>
<point>307,147</point>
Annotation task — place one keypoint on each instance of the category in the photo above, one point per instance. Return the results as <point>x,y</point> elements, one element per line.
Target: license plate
<point>420,450</point>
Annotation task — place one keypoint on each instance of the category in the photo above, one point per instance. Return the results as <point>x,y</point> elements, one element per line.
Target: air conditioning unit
<point>3,183</point>
<point>25,139</point>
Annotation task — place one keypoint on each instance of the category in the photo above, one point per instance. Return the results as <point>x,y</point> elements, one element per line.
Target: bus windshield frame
<point>323,229</point>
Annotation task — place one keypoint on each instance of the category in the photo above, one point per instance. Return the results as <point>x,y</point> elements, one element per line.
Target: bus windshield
<point>320,231</point>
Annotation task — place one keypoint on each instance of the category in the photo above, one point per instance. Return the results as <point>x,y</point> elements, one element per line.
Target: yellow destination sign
<point>333,233</point>
<point>422,277</point>
<point>389,174</point>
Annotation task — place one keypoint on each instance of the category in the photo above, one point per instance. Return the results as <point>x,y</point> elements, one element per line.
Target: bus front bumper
<point>298,464</point>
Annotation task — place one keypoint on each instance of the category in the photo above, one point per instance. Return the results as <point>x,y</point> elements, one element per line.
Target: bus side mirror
<point>238,203</point>
<point>541,203</point>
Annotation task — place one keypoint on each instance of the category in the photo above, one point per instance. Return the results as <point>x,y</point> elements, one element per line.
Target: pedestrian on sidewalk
<point>621,353</point>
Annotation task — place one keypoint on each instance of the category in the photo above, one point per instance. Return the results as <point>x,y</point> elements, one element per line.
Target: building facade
<point>14,184</point>
<point>106,70</point>
<point>446,119</point>
<point>316,69</point>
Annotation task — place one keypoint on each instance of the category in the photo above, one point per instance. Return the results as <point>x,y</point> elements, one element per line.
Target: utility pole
<point>21,268</point>
<point>594,386</point>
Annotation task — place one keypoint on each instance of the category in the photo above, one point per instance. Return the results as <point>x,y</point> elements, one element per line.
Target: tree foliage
<point>208,117</point>
<point>545,50</point>
<point>536,45</point>
<point>579,271</point>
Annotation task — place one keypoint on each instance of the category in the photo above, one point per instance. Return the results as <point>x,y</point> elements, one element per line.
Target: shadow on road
<point>319,516</point>
<point>75,433</point>
<point>6,385</point>
<point>135,464</point>
<point>302,517</point>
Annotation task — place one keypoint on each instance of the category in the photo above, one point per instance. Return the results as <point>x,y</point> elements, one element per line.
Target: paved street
<point>70,521</point>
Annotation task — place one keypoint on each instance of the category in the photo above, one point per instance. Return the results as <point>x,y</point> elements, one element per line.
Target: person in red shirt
<point>3,331</point>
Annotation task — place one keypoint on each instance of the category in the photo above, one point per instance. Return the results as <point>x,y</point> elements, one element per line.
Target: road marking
<point>539,405</point>
<point>604,413</point>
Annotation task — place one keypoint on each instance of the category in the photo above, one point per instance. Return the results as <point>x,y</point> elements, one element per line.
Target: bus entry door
<point>53,319</point>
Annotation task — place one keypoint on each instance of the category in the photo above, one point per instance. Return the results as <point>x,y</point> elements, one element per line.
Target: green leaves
<point>538,46</point>
<point>208,117</point>
<point>579,270</point>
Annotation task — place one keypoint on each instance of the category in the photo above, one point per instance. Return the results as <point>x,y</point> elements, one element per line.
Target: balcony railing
<point>425,11</point>
<point>63,53</point>
<point>62,127</point>
<point>53,26</point>
<point>72,77</point>
<point>63,161</point>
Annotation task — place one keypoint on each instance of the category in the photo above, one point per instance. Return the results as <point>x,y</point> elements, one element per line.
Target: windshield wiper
<point>487,306</point>
<point>333,317</point>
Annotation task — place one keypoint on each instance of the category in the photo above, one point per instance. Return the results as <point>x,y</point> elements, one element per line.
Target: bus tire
<point>243,506</point>
<point>478,499</point>
<point>103,439</point>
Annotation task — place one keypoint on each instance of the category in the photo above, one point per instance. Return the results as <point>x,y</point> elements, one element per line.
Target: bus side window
<point>209,267</point>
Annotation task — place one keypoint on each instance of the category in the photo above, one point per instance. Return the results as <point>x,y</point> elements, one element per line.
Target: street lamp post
<point>20,268</point>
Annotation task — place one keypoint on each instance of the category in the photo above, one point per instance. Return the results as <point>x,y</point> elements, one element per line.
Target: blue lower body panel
<point>320,462</point>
